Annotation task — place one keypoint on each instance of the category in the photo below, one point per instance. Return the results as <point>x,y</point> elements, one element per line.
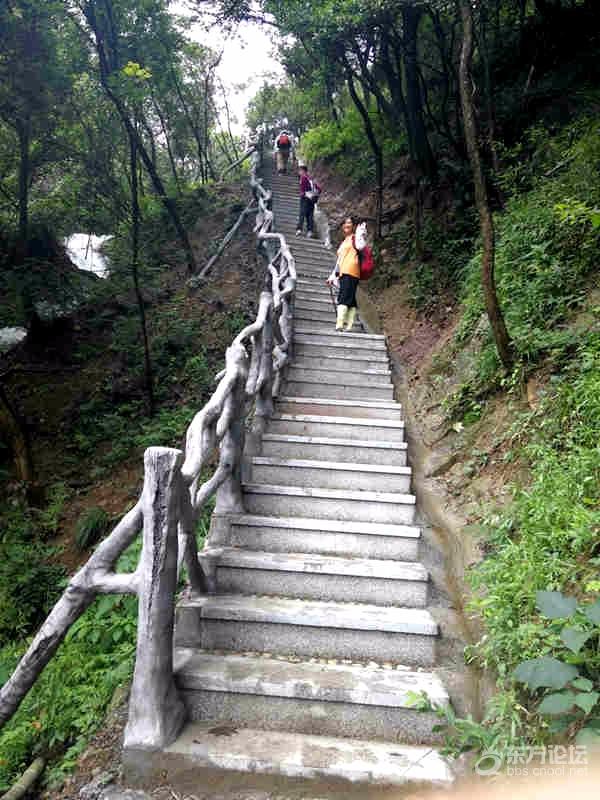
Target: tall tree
<point>103,18</point>
<point>34,81</point>
<point>486,221</point>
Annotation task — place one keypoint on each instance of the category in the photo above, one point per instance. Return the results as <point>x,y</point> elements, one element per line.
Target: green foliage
<point>345,146</point>
<point>49,517</point>
<point>29,582</point>
<point>69,699</point>
<point>91,526</point>
<point>547,242</point>
<point>167,427</point>
<point>503,728</point>
<point>544,544</point>
<point>570,676</point>
<point>440,270</point>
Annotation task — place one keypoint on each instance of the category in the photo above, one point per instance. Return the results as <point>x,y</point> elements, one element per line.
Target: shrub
<point>69,699</point>
<point>91,526</point>
<point>29,583</point>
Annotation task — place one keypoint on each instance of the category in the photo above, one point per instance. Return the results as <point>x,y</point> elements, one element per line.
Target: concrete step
<point>321,448</point>
<point>308,254</point>
<point>325,313</point>
<point>322,321</point>
<point>290,626</point>
<point>328,537</point>
<point>330,474</point>
<point>341,504</point>
<point>339,355</point>
<point>315,261</point>
<point>330,768</point>
<point>303,697</point>
<point>310,287</point>
<point>312,576</point>
<point>309,247</point>
<point>354,428</point>
<point>314,302</point>
<point>326,320</point>
<point>349,341</point>
<point>299,242</point>
<point>376,409</point>
<point>300,371</point>
<point>344,365</point>
<point>313,267</point>
<point>318,294</point>
<point>317,328</point>
<point>318,272</point>
<point>368,391</point>
<point>318,276</point>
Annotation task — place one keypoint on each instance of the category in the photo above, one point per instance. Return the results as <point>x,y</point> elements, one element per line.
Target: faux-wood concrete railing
<point>170,504</point>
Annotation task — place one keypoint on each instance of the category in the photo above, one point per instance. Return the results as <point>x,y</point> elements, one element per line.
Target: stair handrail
<point>171,502</point>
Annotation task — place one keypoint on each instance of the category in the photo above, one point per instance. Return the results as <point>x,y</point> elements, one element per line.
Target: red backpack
<point>365,261</point>
<point>283,141</point>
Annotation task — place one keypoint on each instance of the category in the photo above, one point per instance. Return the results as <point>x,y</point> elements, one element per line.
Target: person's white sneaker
<point>298,232</point>
<point>309,235</point>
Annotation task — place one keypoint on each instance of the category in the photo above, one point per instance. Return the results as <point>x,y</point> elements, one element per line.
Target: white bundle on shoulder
<point>360,236</point>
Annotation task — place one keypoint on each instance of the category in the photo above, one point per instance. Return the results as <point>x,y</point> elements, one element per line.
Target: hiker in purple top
<point>309,194</point>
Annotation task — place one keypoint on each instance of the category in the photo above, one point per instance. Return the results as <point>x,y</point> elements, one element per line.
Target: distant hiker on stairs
<point>309,194</point>
<point>283,147</point>
<point>346,272</point>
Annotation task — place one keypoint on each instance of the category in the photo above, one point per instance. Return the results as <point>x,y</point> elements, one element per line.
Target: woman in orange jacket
<point>346,272</point>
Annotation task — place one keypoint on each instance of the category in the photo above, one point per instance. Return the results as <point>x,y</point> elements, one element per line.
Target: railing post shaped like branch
<point>229,498</point>
<point>264,396</point>
<point>156,712</point>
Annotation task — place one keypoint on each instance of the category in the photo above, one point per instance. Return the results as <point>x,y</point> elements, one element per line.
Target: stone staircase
<point>306,663</point>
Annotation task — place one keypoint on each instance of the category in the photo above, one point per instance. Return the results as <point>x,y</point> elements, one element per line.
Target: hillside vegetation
<point>113,121</point>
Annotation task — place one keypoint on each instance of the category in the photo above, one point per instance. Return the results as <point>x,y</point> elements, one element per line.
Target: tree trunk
<point>135,249</point>
<point>329,99</point>
<point>24,169</point>
<point>236,153</point>
<point>501,338</point>
<point>156,180</point>
<point>446,50</point>
<point>377,151</point>
<point>193,128</point>
<point>417,133</point>
<point>393,77</point>
<point>168,143</point>
<point>489,98</point>
<point>209,167</point>
<point>15,431</point>
<point>106,60</point>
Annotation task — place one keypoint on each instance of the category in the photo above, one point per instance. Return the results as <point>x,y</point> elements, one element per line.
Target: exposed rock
<point>117,793</point>
<point>103,788</point>
<point>94,790</point>
<point>11,338</point>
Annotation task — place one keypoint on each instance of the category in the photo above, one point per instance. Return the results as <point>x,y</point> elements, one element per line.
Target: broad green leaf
<point>583,684</point>
<point>588,736</point>
<point>586,700</point>
<point>574,639</point>
<point>557,703</point>
<point>559,725</point>
<point>555,605</point>
<point>592,612</point>
<point>545,671</point>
